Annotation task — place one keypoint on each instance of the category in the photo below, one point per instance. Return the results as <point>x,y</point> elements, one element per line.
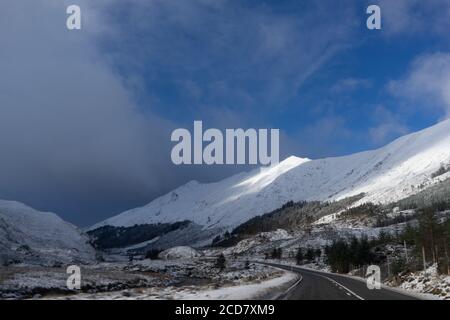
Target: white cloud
<point>350,84</point>
<point>416,17</point>
<point>427,84</point>
<point>388,126</point>
<point>328,135</point>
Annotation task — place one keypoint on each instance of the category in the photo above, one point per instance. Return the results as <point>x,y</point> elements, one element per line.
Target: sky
<point>86,115</point>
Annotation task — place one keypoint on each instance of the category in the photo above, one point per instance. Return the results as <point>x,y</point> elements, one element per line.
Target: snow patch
<point>181,252</point>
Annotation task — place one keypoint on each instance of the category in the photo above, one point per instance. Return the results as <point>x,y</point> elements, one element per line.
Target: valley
<point>253,235</point>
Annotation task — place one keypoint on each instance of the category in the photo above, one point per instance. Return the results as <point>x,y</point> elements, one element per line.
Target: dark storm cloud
<point>70,134</point>
<point>83,127</point>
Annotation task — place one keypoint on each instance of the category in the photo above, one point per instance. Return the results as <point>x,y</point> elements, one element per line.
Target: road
<point>315,285</point>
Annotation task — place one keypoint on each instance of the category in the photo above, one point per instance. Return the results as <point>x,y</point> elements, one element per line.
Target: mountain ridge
<point>386,174</point>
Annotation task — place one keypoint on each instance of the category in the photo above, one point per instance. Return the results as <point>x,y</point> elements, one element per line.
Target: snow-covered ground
<point>427,282</point>
<point>193,278</point>
<point>260,241</point>
<point>261,289</point>
<point>182,252</point>
<point>21,282</point>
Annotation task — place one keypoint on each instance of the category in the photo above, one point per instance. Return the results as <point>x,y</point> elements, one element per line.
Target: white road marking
<point>341,286</point>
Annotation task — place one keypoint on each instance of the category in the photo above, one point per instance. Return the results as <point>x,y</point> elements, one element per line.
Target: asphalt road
<point>314,285</point>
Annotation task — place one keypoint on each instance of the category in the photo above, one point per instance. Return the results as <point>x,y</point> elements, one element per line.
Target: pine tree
<point>299,256</point>
<point>318,252</point>
<point>277,253</point>
<point>310,254</point>
<point>364,254</point>
<point>221,262</point>
<point>354,251</point>
<point>429,232</point>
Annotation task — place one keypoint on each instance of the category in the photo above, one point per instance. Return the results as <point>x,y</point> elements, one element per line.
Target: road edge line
<point>284,294</point>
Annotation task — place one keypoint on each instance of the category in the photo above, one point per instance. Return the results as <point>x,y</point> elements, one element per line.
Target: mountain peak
<point>383,175</point>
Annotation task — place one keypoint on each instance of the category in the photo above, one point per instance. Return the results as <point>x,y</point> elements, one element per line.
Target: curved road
<point>315,285</point>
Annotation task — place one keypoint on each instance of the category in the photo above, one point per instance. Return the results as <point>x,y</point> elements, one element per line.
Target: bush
<point>442,170</point>
<point>277,253</point>
<point>221,262</point>
<point>310,254</point>
<point>398,266</point>
<point>152,254</point>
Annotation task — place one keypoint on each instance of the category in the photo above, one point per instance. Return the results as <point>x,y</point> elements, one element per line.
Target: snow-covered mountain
<point>395,171</point>
<point>31,236</point>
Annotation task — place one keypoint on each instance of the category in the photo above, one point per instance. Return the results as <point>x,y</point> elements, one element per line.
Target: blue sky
<point>302,66</point>
<point>87,115</point>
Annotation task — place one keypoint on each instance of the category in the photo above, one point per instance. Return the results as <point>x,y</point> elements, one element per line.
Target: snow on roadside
<point>243,292</point>
<point>428,282</point>
<point>262,289</point>
<point>30,281</point>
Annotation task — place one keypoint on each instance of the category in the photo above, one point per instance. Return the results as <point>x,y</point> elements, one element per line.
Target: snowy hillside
<point>31,236</point>
<point>395,171</point>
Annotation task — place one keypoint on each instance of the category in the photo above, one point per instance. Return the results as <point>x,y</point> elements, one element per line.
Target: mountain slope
<point>393,172</point>
<point>31,236</point>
